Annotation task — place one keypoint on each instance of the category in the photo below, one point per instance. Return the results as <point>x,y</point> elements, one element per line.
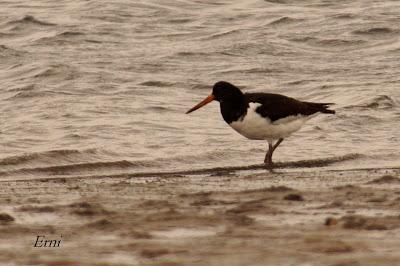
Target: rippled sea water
<point>101,87</point>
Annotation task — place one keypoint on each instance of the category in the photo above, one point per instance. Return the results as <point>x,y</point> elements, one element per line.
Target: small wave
<point>386,179</point>
<point>70,33</point>
<point>300,82</point>
<point>93,41</point>
<point>75,136</point>
<point>201,87</point>
<point>222,34</point>
<point>277,1</point>
<point>156,83</point>
<point>59,38</point>
<point>160,109</point>
<point>378,102</point>
<point>179,20</point>
<point>126,165</point>
<point>43,156</point>
<point>302,39</point>
<point>339,42</point>
<point>58,71</point>
<point>29,87</point>
<point>226,170</point>
<point>3,48</point>
<point>374,31</point>
<point>79,168</point>
<point>284,20</point>
<point>253,70</point>
<point>45,73</point>
<point>188,55</point>
<point>8,51</point>
<point>328,42</point>
<point>4,35</point>
<point>27,94</point>
<point>381,102</point>
<point>262,70</point>
<point>344,16</point>
<point>192,54</point>
<point>28,19</point>
<point>320,162</point>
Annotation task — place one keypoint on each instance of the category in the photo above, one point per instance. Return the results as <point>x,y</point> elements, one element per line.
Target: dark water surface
<point>101,87</point>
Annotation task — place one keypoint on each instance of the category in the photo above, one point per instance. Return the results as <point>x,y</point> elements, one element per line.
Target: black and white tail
<point>321,107</point>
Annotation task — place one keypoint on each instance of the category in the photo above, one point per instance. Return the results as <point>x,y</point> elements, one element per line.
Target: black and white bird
<point>262,116</point>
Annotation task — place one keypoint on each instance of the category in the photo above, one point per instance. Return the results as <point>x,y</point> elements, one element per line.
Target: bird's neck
<point>233,110</point>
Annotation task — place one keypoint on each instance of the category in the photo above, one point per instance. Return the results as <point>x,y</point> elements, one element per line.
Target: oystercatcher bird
<point>262,116</point>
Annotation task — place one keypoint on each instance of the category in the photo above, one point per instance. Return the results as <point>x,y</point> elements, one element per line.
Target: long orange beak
<point>210,98</point>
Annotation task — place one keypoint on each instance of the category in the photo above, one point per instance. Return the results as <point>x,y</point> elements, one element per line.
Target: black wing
<point>276,106</point>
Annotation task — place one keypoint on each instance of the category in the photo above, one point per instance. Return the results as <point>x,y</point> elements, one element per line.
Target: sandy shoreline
<point>296,218</point>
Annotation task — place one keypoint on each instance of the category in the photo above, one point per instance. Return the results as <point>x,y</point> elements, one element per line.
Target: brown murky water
<point>93,99</point>
<point>102,87</point>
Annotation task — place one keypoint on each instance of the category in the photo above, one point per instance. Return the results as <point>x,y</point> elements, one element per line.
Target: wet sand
<point>298,217</point>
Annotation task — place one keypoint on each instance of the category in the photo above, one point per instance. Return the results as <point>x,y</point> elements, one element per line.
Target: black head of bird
<point>222,92</point>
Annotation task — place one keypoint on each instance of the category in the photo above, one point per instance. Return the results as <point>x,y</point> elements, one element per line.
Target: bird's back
<point>277,106</point>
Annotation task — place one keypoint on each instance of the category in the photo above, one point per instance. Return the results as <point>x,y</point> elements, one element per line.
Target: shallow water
<point>101,87</point>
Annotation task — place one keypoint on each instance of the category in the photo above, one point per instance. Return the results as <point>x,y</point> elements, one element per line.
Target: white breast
<point>254,126</point>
